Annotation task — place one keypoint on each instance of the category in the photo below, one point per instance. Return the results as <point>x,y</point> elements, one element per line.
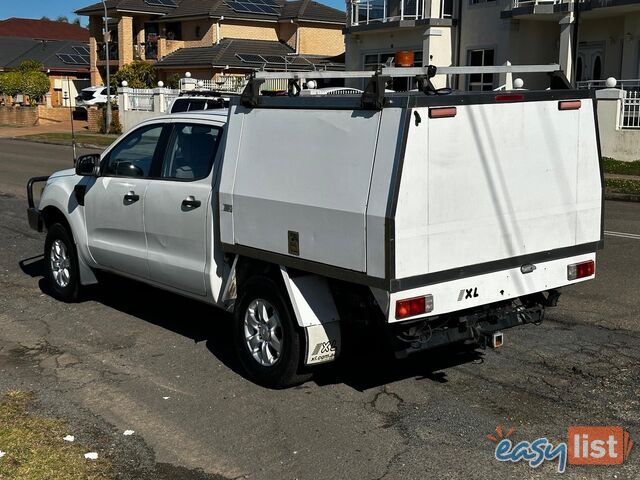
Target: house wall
<point>325,40</point>
<point>125,41</point>
<point>631,56</point>
<point>95,31</point>
<point>437,42</point>
<point>610,32</point>
<point>522,35</point>
<point>254,31</point>
<point>207,33</point>
<point>287,33</point>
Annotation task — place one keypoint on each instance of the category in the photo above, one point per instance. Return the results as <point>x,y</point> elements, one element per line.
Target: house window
<point>481,58</point>
<point>446,8</point>
<point>174,31</point>
<point>477,2</point>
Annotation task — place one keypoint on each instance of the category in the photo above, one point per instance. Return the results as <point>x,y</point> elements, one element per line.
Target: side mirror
<point>88,165</point>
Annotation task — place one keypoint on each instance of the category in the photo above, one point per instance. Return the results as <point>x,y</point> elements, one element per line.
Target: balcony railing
<point>365,12</point>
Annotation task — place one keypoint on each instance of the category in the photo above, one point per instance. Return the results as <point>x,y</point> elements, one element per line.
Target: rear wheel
<point>268,341</point>
<point>62,264</point>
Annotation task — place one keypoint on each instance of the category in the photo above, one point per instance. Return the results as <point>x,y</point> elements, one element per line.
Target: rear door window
<point>190,152</point>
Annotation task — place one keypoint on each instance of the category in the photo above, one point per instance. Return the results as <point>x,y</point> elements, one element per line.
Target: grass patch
<point>621,168</point>
<point>615,185</point>
<point>101,140</point>
<point>35,449</point>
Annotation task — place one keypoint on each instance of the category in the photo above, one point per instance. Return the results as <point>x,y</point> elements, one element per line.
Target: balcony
<point>378,12</point>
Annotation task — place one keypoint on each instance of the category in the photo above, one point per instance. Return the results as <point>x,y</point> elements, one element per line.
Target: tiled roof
<point>43,29</point>
<point>298,9</point>
<point>310,10</point>
<point>15,50</point>
<point>230,50</point>
<point>124,5</point>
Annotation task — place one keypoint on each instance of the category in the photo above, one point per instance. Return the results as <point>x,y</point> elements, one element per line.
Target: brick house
<point>62,48</point>
<point>181,35</point>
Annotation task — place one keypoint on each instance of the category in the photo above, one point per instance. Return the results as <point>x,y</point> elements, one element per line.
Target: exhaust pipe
<point>496,340</point>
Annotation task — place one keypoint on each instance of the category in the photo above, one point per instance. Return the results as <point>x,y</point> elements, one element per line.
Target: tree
<point>30,66</point>
<point>62,18</point>
<point>10,84</point>
<point>34,84</point>
<point>137,75</point>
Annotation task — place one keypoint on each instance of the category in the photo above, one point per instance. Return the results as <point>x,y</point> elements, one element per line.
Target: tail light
<point>414,306</point>
<point>581,270</point>
<point>447,112</point>
<point>570,105</point>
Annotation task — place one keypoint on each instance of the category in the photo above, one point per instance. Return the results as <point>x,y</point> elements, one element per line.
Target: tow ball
<point>496,340</point>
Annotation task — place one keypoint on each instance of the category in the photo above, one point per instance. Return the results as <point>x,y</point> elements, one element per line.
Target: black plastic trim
<point>491,267</point>
<point>394,286</point>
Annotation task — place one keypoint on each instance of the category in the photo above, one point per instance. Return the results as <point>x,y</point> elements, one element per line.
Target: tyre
<point>268,341</point>
<point>62,263</point>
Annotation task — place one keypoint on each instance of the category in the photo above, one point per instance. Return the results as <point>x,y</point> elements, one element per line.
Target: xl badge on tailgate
<point>466,294</point>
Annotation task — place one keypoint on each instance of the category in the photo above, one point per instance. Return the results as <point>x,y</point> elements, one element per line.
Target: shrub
<point>137,75</point>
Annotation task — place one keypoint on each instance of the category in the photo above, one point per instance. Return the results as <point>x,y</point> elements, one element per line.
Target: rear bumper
<point>491,288</point>
<point>474,327</point>
<point>34,216</point>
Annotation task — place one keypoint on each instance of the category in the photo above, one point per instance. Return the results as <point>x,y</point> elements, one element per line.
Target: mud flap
<point>317,315</point>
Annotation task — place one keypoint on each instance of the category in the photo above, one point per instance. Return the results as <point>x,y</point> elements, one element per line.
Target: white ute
<point>437,217</point>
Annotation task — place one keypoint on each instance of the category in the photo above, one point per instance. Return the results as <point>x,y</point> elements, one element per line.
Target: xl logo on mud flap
<point>467,293</point>
<point>325,347</point>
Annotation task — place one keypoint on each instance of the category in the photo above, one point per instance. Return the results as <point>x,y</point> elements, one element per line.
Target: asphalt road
<point>132,357</point>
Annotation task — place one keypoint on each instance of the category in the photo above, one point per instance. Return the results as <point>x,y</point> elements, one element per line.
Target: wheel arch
<point>312,301</point>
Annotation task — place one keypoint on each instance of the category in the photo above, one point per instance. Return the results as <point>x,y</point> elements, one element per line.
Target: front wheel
<point>62,264</point>
<point>267,338</point>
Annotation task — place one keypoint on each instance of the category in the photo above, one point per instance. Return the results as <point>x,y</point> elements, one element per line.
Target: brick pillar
<point>125,41</point>
<point>95,34</point>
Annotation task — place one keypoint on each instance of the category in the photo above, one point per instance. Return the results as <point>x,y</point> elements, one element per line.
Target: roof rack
<point>373,97</point>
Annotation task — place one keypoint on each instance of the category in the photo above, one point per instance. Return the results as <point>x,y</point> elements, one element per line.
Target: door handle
<point>131,197</point>
<point>191,202</point>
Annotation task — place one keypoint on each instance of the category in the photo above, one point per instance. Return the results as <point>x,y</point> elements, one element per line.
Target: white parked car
<point>91,96</point>
<point>436,219</point>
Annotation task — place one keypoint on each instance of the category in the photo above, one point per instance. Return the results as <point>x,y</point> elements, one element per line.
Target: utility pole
<point>107,37</point>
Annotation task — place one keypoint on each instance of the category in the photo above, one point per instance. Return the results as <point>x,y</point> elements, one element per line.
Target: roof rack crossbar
<point>408,72</point>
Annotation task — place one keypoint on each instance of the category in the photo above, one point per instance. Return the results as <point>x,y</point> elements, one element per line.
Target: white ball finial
<point>200,83</point>
<point>187,75</point>
<point>160,84</point>
<point>518,83</point>
<point>311,84</point>
<point>125,84</point>
<point>611,82</point>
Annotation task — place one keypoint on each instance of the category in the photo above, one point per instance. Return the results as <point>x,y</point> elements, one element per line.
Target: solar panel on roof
<point>73,59</point>
<point>250,58</point>
<point>81,50</point>
<point>160,3</point>
<point>278,59</point>
<point>260,7</point>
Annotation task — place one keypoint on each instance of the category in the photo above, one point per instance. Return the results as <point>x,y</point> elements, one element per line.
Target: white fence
<point>631,110</point>
<point>139,100</point>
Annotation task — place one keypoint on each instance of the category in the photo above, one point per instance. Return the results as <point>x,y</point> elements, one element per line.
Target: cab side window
<point>190,152</point>
<point>133,156</point>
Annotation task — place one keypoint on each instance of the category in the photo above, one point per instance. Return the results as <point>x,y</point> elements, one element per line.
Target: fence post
<point>123,98</point>
<point>158,100</point>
